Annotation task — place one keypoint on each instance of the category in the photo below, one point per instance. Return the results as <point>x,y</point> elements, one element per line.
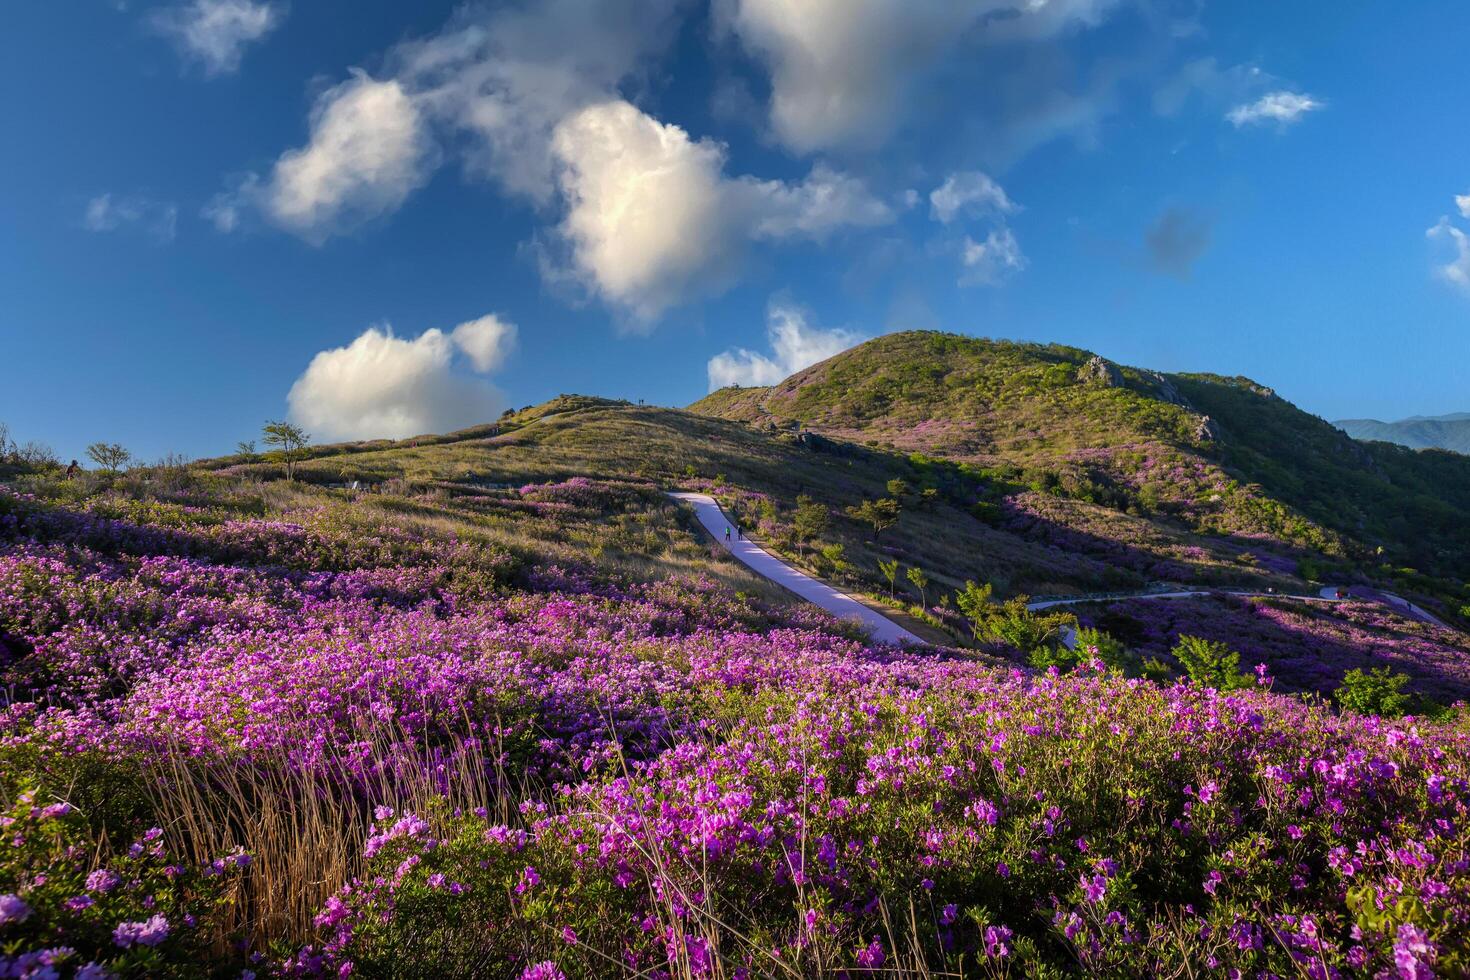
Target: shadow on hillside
<point>1306,648</point>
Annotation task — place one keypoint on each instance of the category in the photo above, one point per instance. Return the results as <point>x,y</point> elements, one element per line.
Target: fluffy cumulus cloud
<point>1455,269</point>
<point>1462,201</point>
<point>652,219</point>
<point>112,212</point>
<point>841,72</point>
<point>993,261</point>
<point>971,192</point>
<point>369,149</point>
<point>795,344</point>
<point>215,33</point>
<point>1282,108</point>
<point>385,386</point>
<point>486,341</point>
<point>1176,239</point>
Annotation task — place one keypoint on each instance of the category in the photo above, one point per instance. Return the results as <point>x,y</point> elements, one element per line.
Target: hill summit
<point>1222,455</point>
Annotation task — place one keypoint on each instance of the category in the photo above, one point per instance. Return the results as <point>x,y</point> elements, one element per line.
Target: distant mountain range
<point>1419,432</point>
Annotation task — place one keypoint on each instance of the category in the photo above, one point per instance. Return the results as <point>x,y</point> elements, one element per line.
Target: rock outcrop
<point>1100,371</point>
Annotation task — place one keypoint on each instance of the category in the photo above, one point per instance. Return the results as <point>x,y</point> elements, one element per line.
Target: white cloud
<point>1462,201</point>
<point>1457,270</point>
<point>968,192</point>
<point>215,33</point>
<point>823,203</point>
<point>652,220</point>
<point>841,71</point>
<point>369,149</point>
<point>507,77</point>
<point>223,211</point>
<point>486,341</point>
<point>384,386</point>
<point>993,261</point>
<point>107,212</point>
<point>794,345</point>
<point>1282,108</point>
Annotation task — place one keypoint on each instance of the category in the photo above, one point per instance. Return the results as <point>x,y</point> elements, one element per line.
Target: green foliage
<point>834,558</point>
<point>889,569</point>
<point>1104,647</point>
<point>1376,692</point>
<point>899,489</point>
<point>972,600</point>
<point>811,519</point>
<point>134,912</point>
<point>919,579</point>
<point>880,514</point>
<point>1211,663</point>
<point>290,442</point>
<point>1010,622</point>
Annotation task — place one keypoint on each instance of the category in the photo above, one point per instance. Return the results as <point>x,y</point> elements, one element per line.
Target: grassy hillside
<point>1220,458</point>
<point>971,525</point>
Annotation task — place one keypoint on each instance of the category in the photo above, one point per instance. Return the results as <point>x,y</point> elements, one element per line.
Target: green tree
<point>108,455</point>
<point>899,489</point>
<point>919,580</point>
<point>812,519</point>
<point>1377,692</point>
<point>834,557</point>
<point>1211,663</point>
<point>880,515</point>
<point>928,497</point>
<point>1010,622</point>
<point>889,568</point>
<point>245,447</point>
<point>972,601</point>
<point>1096,643</point>
<point>290,442</point>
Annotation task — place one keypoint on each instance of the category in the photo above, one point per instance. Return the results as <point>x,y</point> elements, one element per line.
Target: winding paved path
<point>764,563</point>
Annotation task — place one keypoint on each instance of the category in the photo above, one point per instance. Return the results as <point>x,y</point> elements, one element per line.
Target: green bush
<point>1211,663</point>
<point>1377,692</point>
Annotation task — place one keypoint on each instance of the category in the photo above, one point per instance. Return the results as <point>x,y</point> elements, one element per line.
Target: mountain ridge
<point>1449,432</point>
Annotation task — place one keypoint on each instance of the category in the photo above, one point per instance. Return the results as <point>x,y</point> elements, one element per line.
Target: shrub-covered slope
<point>973,524</point>
<point>289,731</point>
<point>1200,452</point>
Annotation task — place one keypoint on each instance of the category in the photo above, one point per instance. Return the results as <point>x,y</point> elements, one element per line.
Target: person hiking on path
<point>727,534</point>
<point>739,533</point>
<point>71,470</point>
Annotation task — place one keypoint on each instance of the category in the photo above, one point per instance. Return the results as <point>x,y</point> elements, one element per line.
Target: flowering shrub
<point>1306,646</point>
<point>138,914</point>
<point>566,775</point>
<point>971,815</point>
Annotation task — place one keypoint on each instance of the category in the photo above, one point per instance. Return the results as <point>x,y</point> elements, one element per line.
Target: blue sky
<point>383,218</point>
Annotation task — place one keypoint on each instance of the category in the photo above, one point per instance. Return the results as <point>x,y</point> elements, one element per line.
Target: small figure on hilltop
<point>72,470</point>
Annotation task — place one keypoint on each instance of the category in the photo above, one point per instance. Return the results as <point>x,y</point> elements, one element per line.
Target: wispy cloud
<point>109,212</point>
<point>1456,270</point>
<point>993,261</point>
<point>969,192</point>
<point>215,33</point>
<point>1283,108</point>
